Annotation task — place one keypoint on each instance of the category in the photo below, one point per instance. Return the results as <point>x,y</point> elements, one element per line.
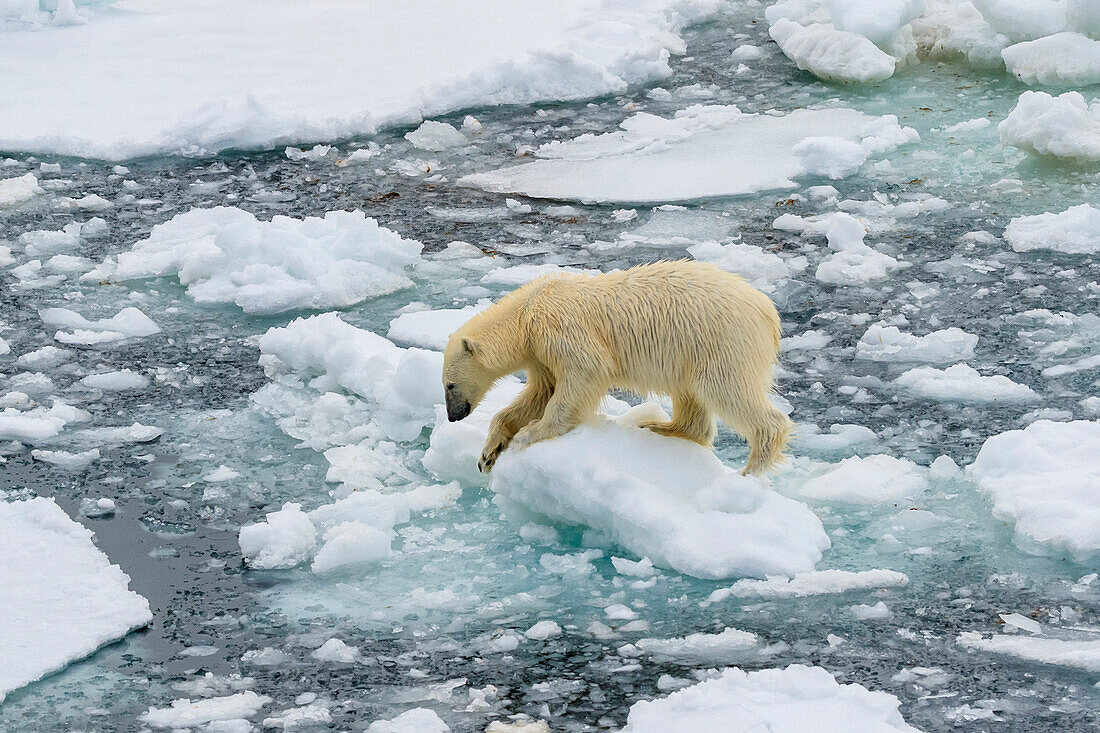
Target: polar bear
<point>702,336</point>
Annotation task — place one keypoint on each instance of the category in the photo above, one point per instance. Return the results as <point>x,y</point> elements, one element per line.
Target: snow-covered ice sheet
<point>874,479</point>
<point>1046,479</point>
<point>699,152</point>
<point>129,82</point>
<point>667,499</point>
<point>60,597</point>
<point>227,255</point>
<point>776,700</point>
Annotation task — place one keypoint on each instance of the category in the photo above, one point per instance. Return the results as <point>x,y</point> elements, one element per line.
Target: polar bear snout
<point>457,408</point>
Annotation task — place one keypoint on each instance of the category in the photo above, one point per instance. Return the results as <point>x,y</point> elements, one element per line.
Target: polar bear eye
<point>451,386</point>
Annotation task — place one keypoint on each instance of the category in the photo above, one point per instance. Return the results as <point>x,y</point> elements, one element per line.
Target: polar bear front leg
<point>529,405</point>
<point>575,400</point>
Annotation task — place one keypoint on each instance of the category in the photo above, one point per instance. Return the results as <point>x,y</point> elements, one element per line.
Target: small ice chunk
<point>746,52</point>
<point>1060,60</point>
<point>517,275</point>
<point>889,343</point>
<point>729,646</point>
<point>128,323</point>
<point>68,461</point>
<point>40,423</point>
<point>871,480</point>
<point>220,474</point>
<point>641,569</point>
<point>17,190</point>
<point>755,264</point>
<point>187,713</point>
<point>417,720</point>
<point>1016,621</point>
<point>865,612</point>
<point>1073,231</point>
<point>1061,127</point>
<point>963,383</point>
<point>227,255</point>
<point>779,700</point>
<point>117,380</point>
<point>543,630</point>
<point>93,508</point>
<point>285,539</point>
<point>832,54</point>
<point>335,650</point>
<point>317,152</point>
<point>813,583</point>
<point>1076,653</point>
<point>435,136</point>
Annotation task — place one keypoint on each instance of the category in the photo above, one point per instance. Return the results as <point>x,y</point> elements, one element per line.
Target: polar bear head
<point>466,378</point>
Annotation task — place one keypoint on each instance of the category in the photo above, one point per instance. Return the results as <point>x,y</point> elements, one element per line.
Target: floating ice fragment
<point>417,720</point>
<point>430,329</point>
<point>335,650</point>
<point>963,383</point>
<point>435,136</point>
<point>865,612</point>
<point>1074,231</point>
<point>186,713</point>
<point>116,380</point>
<point>543,630</point>
<point>871,480</point>
<point>70,462</point>
<point>128,323</point>
<point>17,190</point>
<point>1016,621</point>
<point>227,255</point>
<point>1060,60</point>
<point>1062,127</point>
<point>776,700</point>
<point>729,646</point>
<point>889,343</point>
<point>832,54</point>
<point>1044,478</point>
<point>813,583</point>
<point>285,539</point>
<point>1080,653</point>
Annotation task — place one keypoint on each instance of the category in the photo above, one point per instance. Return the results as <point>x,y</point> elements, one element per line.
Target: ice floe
<point>963,383</point>
<point>1074,231</point>
<point>1079,653</point>
<point>871,480</point>
<point>227,255</point>
<point>1062,127</point>
<point>62,598</point>
<point>19,189</point>
<point>812,583</point>
<point>128,323</point>
<point>889,343</point>
<point>1045,479</point>
<point>672,501</point>
<point>1059,60</point>
<point>383,66</point>
<point>778,700</point>
<point>186,713</point>
<point>701,151</point>
<point>430,329</point>
<point>728,646</point>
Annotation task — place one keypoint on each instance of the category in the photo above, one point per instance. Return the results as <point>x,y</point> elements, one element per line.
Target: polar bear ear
<point>471,347</point>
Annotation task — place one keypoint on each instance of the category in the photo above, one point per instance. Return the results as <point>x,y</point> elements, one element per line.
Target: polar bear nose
<point>457,410</point>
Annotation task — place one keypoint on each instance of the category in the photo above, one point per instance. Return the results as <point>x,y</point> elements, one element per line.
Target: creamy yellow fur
<point>686,329</point>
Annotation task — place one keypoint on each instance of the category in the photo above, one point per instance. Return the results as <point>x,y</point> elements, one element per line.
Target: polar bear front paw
<point>489,456</point>
<point>525,438</point>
